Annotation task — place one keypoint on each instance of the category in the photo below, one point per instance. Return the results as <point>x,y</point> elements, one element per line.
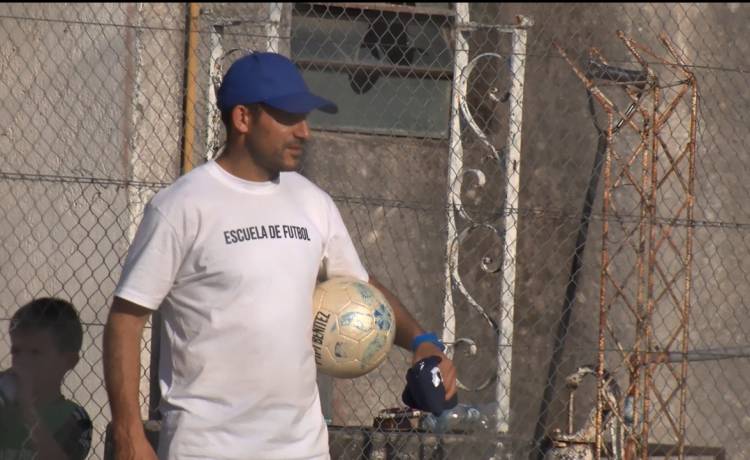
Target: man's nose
<point>302,130</point>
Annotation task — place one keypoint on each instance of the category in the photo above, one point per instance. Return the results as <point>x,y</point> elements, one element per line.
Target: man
<point>237,369</point>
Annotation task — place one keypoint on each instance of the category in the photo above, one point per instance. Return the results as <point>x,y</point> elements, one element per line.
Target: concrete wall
<point>89,102</point>
<point>390,194</point>
<point>559,145</point>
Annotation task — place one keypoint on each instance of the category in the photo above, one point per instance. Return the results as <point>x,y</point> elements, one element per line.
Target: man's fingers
<point>451,388</point>
<point>448,371</point>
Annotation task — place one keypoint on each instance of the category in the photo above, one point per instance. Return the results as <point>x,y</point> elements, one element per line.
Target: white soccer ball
<point>353,327</point>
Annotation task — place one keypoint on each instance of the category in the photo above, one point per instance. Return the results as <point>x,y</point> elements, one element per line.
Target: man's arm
<point>122,352</point>
<point>407,328</point>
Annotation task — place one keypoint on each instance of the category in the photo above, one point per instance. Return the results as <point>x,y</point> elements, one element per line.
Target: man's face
<point>276,139</point>
<point>37,360</point>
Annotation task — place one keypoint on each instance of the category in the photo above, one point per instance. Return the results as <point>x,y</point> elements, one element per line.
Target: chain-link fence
<point>478,171</point>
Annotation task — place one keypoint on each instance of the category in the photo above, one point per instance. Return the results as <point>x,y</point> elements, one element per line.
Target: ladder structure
<point>647,235</point>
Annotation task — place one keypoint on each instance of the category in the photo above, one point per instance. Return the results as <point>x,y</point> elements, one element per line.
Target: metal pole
<point>607,196</point>
<point>455,165</point>
<point>190,88</point>
<point>214,76</point>
<point>272,27</point>
<point>510,224</point>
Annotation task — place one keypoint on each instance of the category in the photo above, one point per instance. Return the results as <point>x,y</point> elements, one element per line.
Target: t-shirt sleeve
<point>152,263</point>
<point>340,257</point>
<point>75,435</point>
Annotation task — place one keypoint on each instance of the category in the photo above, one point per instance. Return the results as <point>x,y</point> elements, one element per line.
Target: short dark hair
<point>226,116</point>
<point>57,316</point>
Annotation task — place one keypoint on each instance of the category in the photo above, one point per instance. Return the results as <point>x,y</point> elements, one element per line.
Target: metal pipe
<point>191,74</point>
<point>648,335</point>
<point>355,9</point>
<point>602,285</point>
<point>510,225</point>
<point>641,287</point>
<point>214,77</point>
<point>272,26</point>
<point>665,450</point>
<point>685,307</point>
<point>393,70</point>
<point>688,262</point>
<point>455,165</point>
<point>571,411</point>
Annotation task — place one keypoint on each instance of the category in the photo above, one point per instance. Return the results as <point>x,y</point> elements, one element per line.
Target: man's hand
<point>447,369</point>
<point>133,446</point>
<point>122,338</point>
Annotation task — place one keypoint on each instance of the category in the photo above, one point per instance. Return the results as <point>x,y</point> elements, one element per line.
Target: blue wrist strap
<point>427,337</point>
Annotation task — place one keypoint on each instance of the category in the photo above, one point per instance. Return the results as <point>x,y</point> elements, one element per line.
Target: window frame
<point>342,11</point>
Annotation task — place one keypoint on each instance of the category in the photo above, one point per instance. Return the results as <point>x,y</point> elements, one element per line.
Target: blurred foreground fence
<point>549,187</point>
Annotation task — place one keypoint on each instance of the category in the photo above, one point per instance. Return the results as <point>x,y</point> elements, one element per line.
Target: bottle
<point>628,412</point>
<point>462,418</point>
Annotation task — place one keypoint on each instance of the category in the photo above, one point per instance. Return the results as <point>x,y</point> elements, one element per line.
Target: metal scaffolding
<point>645,290</point>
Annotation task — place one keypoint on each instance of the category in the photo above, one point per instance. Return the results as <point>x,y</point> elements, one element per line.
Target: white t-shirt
<point>232,265</point>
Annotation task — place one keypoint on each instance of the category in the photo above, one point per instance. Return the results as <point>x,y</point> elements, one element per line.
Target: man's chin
<point>291,164</point>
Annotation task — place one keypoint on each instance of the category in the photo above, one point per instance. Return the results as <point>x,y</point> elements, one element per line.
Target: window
<point>388,66</point>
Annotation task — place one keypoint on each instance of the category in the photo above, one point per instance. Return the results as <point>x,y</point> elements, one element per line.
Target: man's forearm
<point>406,326</point>
<point>122,340</point>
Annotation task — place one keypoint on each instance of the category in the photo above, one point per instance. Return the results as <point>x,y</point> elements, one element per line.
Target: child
<point>36,421</point>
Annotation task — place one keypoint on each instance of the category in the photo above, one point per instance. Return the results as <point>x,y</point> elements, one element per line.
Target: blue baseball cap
<point>424,387</point>
<point>272,79</point>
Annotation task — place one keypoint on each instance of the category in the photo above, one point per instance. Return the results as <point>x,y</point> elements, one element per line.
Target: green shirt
<point>67,421</point>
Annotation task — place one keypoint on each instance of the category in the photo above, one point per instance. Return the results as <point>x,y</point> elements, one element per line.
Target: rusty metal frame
<point>658,283</point>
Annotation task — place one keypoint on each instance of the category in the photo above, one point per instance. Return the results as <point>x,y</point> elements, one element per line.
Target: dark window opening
<point>389,66</point>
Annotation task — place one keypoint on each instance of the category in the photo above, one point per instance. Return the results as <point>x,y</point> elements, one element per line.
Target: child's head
<point>46,336</point>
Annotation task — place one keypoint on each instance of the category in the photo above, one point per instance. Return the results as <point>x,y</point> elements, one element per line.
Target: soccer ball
<point>353,327</point>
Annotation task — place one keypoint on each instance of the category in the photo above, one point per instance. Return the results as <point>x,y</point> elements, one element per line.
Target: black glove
<point>424,387</point>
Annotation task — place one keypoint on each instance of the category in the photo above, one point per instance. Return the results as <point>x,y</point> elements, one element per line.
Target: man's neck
<point>239,163</point>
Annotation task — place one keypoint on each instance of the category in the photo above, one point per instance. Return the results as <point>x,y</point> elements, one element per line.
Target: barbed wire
<point>182,30</point>
<point>370,201</point>
<point>200,31</point>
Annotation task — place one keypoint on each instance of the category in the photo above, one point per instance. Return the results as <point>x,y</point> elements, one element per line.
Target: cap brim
<point>302,103</point>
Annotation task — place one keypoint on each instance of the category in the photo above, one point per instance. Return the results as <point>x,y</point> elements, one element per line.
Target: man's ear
<point>242,119</point>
